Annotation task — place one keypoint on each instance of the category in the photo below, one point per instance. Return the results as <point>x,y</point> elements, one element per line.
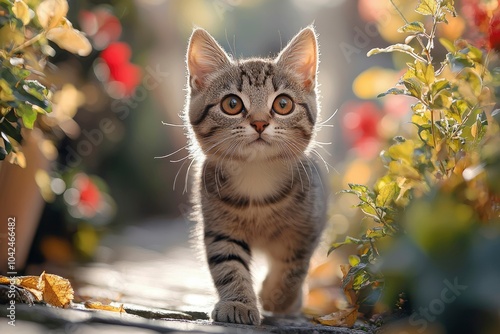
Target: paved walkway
<point>160,280</point>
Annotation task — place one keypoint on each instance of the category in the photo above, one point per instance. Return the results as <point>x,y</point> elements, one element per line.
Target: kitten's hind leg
<point>229,260</point>
<point>282,289</point>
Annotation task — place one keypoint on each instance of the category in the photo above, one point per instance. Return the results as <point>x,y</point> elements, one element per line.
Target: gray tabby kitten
<point>251,128</point>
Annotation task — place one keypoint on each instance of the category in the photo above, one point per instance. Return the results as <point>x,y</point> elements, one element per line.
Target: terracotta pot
<point>20,200</point>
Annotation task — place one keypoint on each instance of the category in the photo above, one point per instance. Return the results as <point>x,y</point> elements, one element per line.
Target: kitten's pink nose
<point>259,126</point>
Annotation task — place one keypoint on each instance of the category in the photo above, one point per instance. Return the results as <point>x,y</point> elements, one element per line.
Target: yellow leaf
<point>51,12</point>
<point>404,170</point>
<point>100,306</point>
<point>4,280</point>
<point>342,318</point>
<point>10,36</point>
<point>473,130</point>
<point>21,11</point>
<point>28,282</point>
<point>57,291</point>
<point>5,91</point>
<point>70,39</point>
<point>386,194</point>
<point>402,151</point>
<point>18,158</point>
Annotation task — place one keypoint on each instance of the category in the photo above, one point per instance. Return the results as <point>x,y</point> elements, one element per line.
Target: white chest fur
<point>259,179</point>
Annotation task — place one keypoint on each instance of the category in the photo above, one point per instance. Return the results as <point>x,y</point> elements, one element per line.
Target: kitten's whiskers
<point>174,125</point>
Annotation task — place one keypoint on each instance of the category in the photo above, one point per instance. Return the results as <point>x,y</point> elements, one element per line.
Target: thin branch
<point>424,49</point>
<point>27,43</point>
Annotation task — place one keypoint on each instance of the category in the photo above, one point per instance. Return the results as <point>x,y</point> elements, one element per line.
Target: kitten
<point>251,125</point>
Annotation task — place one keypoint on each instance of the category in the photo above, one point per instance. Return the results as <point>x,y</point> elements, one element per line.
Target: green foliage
<point>20,98</point>
<point>443,181</point>
<point>23,51</point>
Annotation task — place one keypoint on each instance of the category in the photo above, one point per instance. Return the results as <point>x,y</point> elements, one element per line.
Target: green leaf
<point>427,7</point>
<point>36,89</point>
<point>413,27</point>
<point>3,153</point>
<point>387,194</point>
<point>442,100</point>
<point>353,273</point>
<point>354,260</point>
<point>439,85</point>
<point>448,45</point>
<point>368,210</point>
<point>393,91</point>
<point>459,61</point>
<point>450,6</point>
<point>376,233</point>
<point>402,151</point>
<point>413,85</point>
<point>424,72</point>
<point>28,115</point>
<point>358,187</point>
<point>459,107</point>
<point>347,241</point>
<point>474,81</point>
<point>475,54</point>
<point>11,131</point>
<point>20,72</point>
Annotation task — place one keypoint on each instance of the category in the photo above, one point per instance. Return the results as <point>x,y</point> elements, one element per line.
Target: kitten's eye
<point>232,105</point>
<point>283,105</point>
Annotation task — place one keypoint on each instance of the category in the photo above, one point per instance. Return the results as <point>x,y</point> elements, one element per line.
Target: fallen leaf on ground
<point>4,280</point>
<point>342,318</point>
<point>30,282</point>
<point>52,289</point>
<point>100,306</point>
<point>57,291</point>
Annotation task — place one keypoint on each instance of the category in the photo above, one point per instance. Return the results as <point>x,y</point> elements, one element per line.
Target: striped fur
<point>255,190</point>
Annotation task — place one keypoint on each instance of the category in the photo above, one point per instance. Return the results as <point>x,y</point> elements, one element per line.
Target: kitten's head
<point>253,108</point>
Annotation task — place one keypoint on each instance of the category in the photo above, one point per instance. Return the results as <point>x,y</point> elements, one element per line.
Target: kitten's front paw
<point>236,312</point>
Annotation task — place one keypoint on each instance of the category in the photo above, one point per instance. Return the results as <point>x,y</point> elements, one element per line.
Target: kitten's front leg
<point>282,289</point>
<point>228,260</point>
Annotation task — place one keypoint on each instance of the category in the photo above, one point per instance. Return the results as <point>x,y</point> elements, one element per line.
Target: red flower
<point>360,124</point>
<point>484,18</point>
<point>494,32</point>
<point>116,56</point>
<point>90,195</point>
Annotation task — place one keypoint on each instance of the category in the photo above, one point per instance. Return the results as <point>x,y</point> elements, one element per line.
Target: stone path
<point>161,283</point>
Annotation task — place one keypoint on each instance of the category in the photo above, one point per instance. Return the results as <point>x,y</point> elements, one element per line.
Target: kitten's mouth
<point>260,141</point>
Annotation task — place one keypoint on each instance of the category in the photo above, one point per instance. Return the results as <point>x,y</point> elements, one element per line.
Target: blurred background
<point>106,196</point>
<point>111,105</point>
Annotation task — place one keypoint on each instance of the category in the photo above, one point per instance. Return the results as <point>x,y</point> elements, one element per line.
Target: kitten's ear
<point>204,57</point>
<point>301,56</point>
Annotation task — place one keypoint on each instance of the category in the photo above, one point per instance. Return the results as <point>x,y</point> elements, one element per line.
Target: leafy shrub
<point>24,49</point>
<point>441,189</point>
